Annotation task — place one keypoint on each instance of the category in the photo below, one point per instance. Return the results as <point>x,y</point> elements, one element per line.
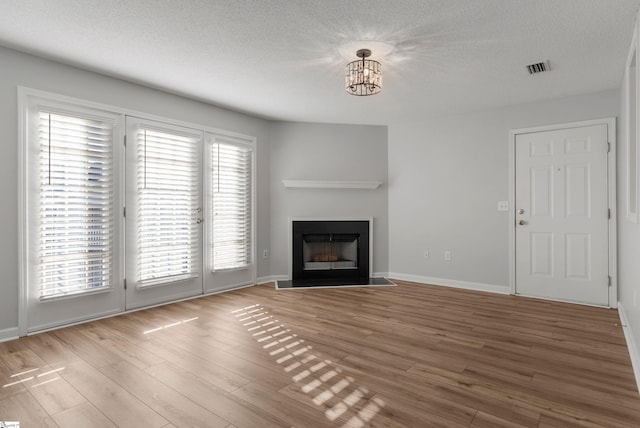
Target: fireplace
<point>330,251</point>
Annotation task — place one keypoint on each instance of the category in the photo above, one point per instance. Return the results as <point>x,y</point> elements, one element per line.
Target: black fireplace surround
<point>330,252</point>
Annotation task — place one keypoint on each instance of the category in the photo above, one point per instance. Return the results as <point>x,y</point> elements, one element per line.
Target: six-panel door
<point>562,215</point>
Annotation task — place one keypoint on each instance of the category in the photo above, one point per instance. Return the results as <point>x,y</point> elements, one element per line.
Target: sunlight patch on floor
<point>41,378</point>
<point>325,384</point>
<point>173,324</point>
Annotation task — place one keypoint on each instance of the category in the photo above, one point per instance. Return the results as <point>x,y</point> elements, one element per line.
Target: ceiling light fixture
<point>363,77</point>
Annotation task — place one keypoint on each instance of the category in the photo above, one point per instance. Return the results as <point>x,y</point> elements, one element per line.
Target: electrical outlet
<point>426,254</point>
<point>265,254</point>
<point>503,205</point>
<point>447,255</point>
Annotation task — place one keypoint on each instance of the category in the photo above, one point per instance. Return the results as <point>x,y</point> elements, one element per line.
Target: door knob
<point>520,211</point>
<point>522,222</point>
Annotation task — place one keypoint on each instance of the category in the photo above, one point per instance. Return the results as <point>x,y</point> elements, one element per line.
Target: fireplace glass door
<point>330,251</point>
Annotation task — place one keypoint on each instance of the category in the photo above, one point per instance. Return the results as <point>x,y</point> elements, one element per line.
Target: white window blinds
<point>167,206</point>
<point>75,204</point>
<point>231,205</point>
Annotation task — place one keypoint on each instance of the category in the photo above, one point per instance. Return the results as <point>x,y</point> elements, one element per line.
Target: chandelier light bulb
<point>363,76</point>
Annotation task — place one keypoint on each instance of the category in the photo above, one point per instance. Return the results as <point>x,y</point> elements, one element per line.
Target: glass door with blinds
<point>164,211</point>
<point>110,223</point>
<point>229,215</point>
<point>72,266</point>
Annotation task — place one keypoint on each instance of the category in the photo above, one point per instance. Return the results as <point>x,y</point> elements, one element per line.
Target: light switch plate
<point>503,205</point>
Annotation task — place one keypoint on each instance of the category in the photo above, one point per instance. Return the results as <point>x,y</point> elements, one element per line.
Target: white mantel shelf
<point>325,184</point>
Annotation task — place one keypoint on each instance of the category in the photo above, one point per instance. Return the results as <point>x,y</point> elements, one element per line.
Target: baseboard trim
<point>271,278</point>
<point>475,286</point>
<point>230,287</point>
<point>9,334</point>
<point>634,352</point>
<point>43,328</point>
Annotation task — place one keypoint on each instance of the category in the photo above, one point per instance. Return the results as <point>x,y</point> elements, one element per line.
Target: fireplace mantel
<point>327,184</point>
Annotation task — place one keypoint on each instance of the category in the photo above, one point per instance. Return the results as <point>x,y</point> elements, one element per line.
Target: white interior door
<point>562,215</point>
<point>163,213</point>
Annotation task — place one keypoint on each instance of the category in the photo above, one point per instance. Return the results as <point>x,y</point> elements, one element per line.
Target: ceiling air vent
<point>539,67</point>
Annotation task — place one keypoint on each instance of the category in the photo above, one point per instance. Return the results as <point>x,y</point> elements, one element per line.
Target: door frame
<point>610,122</point>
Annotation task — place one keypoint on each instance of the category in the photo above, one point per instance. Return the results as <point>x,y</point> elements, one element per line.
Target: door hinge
<point>124,211</point>
<point>608,147</point>
<point>125,283</point>
<point>609,213</point>
<point>125,140</point>
<point>609,283</point>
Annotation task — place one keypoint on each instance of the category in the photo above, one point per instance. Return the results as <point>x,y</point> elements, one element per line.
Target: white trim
<point>9,334</point>
<point>380,275</point>
<point>634,351</point>
<point>271,278</point>
<point>633,50</point>
<point>275,278</point>
<point>264,279</point>
<point>553,299</point>
<point>226,288</point>
<point>476,286</point>
<point>71,321</point>
<point>290,237</point>
<point>613,206</point>
<point>610,122</point>
<point>23,268</point>
<point>326,184</point>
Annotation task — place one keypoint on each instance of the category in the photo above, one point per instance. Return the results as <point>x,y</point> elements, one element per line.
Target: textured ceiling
<point>285,60</point>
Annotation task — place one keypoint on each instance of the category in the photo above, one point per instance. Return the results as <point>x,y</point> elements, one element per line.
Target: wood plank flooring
<point>414,355</point>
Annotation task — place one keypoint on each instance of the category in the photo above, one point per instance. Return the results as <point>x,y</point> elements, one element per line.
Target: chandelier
<point>363,77</point>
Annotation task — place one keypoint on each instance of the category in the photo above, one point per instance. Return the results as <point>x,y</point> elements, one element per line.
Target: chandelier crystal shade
<point>364,76</point>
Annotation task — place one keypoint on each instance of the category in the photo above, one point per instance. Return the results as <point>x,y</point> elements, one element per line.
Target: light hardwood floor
<point>407,356</point>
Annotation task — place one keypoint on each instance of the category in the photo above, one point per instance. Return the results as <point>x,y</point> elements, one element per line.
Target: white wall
<point>308,151</point>
<point>446,176</point>
<point>19,69</point>
<point>628,246</point>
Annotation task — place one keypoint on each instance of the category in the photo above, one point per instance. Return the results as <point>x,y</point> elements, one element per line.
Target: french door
<point>120,212</point>
<point>164,211</point>
<point>562,214</point>
<point>229,220</point>
<point>71,266</point>
<point>189,213</point>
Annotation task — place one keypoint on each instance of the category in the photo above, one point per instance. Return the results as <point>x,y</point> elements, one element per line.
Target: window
<point>75,219</point>
<point>167,203</point>
<point>231,205</point>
